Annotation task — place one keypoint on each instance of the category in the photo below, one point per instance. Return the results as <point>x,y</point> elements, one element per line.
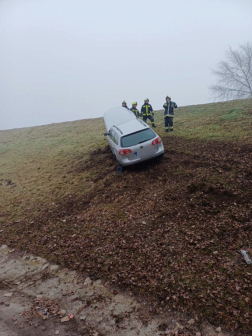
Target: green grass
<point>44,163</point>
<point>225,121</point>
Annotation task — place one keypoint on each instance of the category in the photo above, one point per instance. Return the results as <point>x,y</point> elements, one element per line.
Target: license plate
<point>136,154</point>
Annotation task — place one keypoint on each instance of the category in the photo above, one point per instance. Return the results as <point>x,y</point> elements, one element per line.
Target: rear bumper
<point>126,162</point>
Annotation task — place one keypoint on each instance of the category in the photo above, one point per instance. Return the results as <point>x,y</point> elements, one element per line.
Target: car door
<point>111,140</point>
<point>116,143</point>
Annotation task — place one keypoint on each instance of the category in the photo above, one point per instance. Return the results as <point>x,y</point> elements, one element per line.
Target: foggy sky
<point>64,60</point>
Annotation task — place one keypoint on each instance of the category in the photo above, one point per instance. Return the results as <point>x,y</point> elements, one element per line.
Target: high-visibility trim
<point>153,122</point>
<point>166,127</point>
<point>169,115</point>
<point>171,128</point>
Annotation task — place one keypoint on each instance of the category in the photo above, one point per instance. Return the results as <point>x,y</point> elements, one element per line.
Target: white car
<point>131,140</point>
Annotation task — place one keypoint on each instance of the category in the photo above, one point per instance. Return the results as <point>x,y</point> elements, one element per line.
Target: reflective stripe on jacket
<point>135,111</point>
<point>146,110</point>
<point>169,109</point>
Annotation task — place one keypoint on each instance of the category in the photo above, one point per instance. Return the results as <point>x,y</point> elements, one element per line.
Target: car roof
<point>117,115</point>
<point>124,120</point>
<point>131,126</point>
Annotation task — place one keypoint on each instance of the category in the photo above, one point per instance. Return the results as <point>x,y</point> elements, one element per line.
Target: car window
<point>111,134</point>
<point>138,137</point>
<point>116,138</point>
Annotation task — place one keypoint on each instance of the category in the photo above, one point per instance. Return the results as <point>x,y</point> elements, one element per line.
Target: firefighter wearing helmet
<point>147,112</point>
<point>135,110</point>
<point>124,104</point>
<point>169,107</point>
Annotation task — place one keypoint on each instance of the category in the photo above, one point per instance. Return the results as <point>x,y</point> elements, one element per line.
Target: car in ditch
<point>131,140</point>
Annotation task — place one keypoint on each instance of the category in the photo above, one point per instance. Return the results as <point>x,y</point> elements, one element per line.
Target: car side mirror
<point>105,134</point>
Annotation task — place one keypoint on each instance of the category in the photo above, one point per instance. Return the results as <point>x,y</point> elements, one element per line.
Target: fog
<point>66,60</point>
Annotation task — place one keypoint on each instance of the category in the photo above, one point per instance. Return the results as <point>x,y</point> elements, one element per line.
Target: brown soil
<point>169,230</point>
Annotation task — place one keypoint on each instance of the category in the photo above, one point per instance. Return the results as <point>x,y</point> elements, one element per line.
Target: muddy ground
<point>170,231</point>
<point>40,298</point>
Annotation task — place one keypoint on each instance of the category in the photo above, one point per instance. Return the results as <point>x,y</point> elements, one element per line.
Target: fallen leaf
<point>65,319</point>
<point>192,321</point>
<point>179,325</point>
<point>8,294</point>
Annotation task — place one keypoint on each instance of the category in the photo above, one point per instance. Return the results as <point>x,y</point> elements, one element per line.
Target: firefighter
<point>147,112</point>
<point>124,104</point>
<point>169,114</point>
<point>135,110</point>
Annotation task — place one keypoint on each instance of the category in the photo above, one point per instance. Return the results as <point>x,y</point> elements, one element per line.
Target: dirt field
<point>170,231</point>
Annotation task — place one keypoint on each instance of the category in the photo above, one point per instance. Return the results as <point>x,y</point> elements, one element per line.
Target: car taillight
<point>123,152</point>
<point>157,141</point>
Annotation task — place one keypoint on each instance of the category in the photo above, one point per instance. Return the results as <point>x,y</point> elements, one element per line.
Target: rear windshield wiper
<point>143,141</point>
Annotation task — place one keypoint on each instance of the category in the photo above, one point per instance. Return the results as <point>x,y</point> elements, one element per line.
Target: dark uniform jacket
<point>169,109</point>
<point>135,111</point>
<point>146,110</point>
<point>126,107</point>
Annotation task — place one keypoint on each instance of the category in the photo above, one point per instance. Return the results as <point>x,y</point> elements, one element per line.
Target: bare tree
<point>234,76</point>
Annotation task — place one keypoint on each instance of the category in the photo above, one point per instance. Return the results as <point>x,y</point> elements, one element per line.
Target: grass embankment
<point>37,164</point>
<point>230,121</point>
<point>171,230</point>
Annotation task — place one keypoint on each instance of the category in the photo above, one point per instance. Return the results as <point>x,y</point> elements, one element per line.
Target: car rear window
<point>138,137</point>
